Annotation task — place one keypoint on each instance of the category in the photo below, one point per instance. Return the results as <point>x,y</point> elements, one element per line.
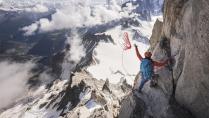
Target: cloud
<point>79,14</point>
<point>77,50</point>
<point>37,9</point>
<point>13,79</point>
<point>44,25</point>
<point>46,78</point>
<point>30,30</point>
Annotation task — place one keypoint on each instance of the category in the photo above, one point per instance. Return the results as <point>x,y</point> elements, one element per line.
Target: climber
<point>147,67</point>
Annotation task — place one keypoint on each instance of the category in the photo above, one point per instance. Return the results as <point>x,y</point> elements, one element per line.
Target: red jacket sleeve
<point>159,64</point>
<point>138,54</point>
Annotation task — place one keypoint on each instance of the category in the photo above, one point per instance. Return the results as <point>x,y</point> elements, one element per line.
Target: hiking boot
<point>139,91</point>
<point>153,84</point>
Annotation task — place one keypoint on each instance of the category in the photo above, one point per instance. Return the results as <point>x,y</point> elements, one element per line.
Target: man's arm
<point>137,53</point>
<point>159,64</point>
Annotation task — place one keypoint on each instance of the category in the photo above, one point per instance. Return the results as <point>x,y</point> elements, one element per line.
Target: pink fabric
<point>127,44</point>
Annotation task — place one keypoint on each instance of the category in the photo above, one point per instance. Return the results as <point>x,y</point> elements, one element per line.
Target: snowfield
<point>114,62</point>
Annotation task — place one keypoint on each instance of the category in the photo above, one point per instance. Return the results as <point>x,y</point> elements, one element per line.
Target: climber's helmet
<point>147,54</point>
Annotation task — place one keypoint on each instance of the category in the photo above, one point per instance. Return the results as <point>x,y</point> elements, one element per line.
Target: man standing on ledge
<point>147,66</point>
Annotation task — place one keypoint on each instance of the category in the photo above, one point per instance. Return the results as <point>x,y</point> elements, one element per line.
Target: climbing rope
<point>122,55</point>
<point>123,65</point>
<point>127,46</point>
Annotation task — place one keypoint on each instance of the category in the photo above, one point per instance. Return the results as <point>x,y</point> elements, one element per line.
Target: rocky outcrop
<point>100,99</point>
<point>156,34</point>
<point>183,86</point>
<point>132,107</point>
<point>186,26</point>
<point>153,102</point>
<point>84,97</point>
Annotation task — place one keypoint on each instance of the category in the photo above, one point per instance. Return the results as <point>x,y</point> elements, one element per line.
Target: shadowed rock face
<point>132,107</point>
<point>186,25</point>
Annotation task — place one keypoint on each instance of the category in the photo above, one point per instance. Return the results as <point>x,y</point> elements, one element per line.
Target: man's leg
<point>143,81</point>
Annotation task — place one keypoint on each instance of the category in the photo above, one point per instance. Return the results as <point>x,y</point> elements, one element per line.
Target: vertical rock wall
<point>186,25</point>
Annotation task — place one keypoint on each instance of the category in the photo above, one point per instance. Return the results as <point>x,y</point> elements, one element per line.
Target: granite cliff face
<point>183,84</point>
<point>186,25</point>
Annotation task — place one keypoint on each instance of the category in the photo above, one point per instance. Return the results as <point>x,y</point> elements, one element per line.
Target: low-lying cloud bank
<point>13,79</point>
<point>37,9</point>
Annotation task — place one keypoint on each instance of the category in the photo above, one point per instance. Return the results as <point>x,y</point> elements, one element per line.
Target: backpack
<point>146,68</point>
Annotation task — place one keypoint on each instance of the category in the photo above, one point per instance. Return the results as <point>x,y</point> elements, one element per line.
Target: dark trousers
<point>144,80</point>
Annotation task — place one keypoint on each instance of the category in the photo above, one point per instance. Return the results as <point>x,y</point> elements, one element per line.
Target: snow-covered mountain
<point>75,59</point>
<point>71,59</point>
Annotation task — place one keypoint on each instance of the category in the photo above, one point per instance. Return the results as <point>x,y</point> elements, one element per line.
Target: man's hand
<point>137,52</point>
